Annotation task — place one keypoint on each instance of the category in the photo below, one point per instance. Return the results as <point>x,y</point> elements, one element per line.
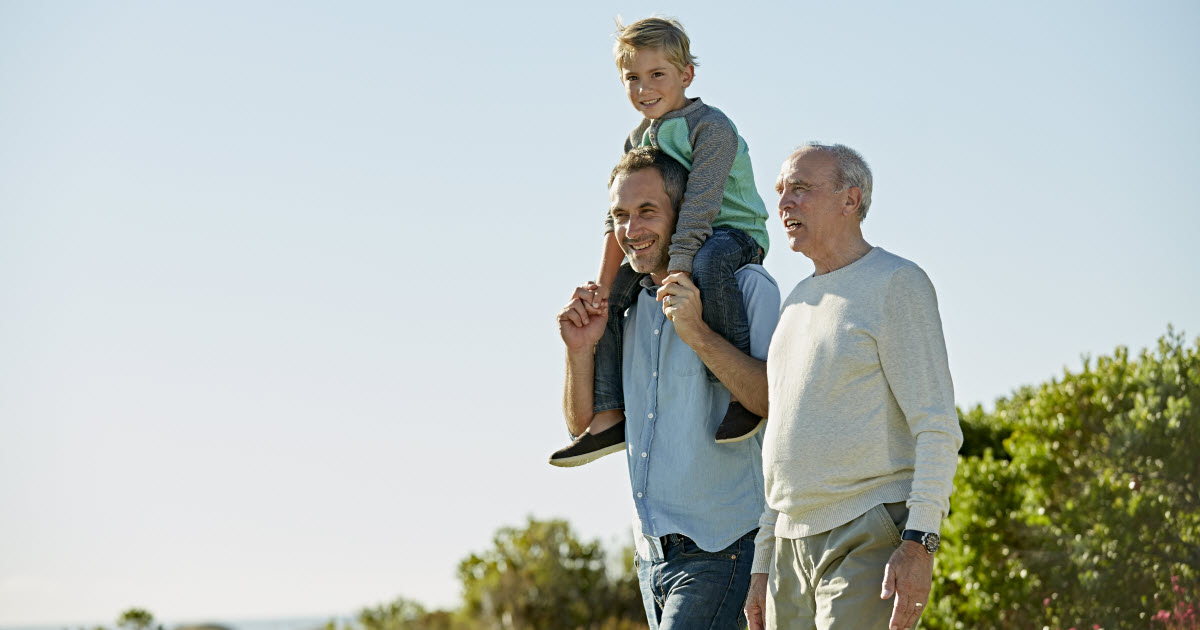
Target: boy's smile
<point>654,85</point>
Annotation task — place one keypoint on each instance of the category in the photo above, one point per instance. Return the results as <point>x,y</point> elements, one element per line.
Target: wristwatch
<point>928,540</point>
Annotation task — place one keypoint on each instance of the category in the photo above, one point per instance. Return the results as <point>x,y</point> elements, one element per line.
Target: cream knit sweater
<point>861,403</point>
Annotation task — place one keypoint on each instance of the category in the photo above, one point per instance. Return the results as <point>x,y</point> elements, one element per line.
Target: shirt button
<point>649,415</point>
<point>656,331</point>
<point>639,495</point>
<point>654,374</point>
<point>643,454</point>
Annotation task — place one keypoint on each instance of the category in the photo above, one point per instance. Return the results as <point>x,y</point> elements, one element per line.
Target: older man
<point>860,453</point>
<point>697,503</point>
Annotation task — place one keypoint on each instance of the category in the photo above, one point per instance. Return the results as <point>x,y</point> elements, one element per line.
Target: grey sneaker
<point>587,447</point>
<point>739,424</point>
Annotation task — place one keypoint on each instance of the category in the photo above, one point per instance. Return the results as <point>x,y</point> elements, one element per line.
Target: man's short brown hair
<point>673,173</point>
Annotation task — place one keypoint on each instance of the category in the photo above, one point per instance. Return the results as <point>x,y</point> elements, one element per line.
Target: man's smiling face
<point>644,220</point>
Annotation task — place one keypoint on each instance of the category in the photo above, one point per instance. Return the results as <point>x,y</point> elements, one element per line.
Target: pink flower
<point>1046,602</point>
<point>1162,615</point>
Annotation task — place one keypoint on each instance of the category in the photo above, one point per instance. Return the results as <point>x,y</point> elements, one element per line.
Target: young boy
<point>721,223</point>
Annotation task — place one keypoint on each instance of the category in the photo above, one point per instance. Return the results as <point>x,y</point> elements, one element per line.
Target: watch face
<point>931,542</point>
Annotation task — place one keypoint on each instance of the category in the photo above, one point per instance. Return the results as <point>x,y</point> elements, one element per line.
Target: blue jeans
<point>692,588</point>
<point>722,254</point>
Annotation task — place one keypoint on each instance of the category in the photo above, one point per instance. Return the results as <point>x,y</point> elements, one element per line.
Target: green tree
<point>400,614</point>
<point>542,576</point>
<point>136,619</point>
<point>404,614</point>
<point>537,576</point>
<point>1090,512</point>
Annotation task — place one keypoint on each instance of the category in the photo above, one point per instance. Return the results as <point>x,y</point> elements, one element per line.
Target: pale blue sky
<point>278,280</point>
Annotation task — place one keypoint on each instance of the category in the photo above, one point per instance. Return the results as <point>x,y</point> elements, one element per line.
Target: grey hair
<point>852,172</point>
<point>674,174</point>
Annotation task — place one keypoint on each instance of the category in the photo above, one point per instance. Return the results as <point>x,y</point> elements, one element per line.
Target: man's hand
<point>756,601</point>
<point>681,305</point>
<point>581,322</point>
<point>908,575</point>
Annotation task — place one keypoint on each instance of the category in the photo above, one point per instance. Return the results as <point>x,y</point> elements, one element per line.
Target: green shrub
<point>1095,517</point>
<point>542,576</point>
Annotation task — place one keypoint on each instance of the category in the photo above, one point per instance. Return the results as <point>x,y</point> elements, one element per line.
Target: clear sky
<point>278,280</point>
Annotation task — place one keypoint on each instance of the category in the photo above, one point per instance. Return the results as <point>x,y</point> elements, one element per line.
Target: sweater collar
<point>684,111</point>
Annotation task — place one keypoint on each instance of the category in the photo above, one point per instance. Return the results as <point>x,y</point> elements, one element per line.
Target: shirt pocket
<point>679,358</point>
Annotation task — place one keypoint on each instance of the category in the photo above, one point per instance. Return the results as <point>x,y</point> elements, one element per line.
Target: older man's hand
<point>681,305</point>
<point>756,601</point>
<point>909,576</point>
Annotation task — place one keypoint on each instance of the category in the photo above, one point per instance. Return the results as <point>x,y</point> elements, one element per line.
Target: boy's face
<point>654,85</point>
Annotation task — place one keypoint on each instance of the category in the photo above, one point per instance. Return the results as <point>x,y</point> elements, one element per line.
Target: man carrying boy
<point>697,503</point>
<point>722,225</point>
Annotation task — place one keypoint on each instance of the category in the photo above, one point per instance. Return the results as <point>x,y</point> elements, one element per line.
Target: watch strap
<point>929,541</point>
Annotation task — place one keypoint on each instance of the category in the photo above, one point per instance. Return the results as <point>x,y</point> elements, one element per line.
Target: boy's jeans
<point>723,253</point>
<point>693,588</point>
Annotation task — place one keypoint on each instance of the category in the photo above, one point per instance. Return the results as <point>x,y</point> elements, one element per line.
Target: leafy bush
<point>1089,514</point>
<point>404,614</point>
<point>542,576</point>
<point>536,576</point>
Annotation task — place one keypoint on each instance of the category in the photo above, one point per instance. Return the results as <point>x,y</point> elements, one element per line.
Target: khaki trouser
<point>832,580</point>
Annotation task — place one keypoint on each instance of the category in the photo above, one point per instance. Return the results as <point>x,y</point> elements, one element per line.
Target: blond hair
<point>653,32</point>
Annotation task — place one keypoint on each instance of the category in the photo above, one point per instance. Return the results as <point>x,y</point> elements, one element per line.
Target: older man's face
<point>644,220</point>
<point>812,213</point>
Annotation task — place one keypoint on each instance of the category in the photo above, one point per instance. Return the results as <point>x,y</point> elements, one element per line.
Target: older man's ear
<point>853,201</point>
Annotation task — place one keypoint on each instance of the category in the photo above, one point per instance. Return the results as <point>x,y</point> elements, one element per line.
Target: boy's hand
<point>599,295</point>
<point>579,323</point>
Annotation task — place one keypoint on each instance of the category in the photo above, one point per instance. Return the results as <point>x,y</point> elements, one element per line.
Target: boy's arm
<point>610,261</point>
<point>611,256</point>
<point>714,147</point>
<point>631,143</point>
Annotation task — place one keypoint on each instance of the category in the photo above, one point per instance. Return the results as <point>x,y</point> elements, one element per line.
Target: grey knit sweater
<point>861,403</point>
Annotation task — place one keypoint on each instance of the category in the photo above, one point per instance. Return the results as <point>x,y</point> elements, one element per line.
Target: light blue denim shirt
<point>682,481</point>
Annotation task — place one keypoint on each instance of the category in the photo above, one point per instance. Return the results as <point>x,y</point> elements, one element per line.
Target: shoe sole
<point>744,436</point>
<point>579,460</point>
